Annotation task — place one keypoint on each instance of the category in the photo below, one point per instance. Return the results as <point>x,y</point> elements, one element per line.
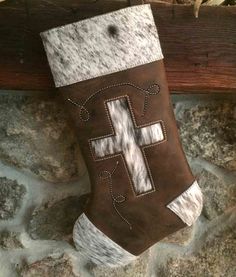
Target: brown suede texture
<point>151,220</point>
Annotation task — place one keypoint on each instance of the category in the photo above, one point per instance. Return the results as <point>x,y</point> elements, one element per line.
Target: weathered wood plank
<point>200,54</point>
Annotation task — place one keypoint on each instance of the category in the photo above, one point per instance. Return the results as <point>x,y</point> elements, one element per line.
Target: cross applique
<point>129,140</point>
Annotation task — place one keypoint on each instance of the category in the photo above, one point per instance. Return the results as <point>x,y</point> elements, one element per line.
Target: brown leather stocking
<point>110,71</point>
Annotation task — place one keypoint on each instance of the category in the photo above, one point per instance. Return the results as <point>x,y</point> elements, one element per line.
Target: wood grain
<point>200,54</point>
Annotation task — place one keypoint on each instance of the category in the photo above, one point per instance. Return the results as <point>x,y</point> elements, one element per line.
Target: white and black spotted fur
<point>86,49</point>
<point>97,247</point>
<point>188,205</point>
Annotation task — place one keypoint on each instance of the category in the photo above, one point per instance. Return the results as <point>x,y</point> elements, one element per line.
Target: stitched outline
<point>147,93</point>
<point>115,199</point>
<point>141,147</point>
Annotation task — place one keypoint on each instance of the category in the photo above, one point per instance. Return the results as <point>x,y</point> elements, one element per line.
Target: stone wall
<point>44,187</point>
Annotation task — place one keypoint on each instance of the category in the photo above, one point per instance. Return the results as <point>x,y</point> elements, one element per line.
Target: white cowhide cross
<point>129,140</point>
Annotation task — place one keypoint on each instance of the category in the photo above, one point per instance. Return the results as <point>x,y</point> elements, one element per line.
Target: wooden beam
<point>200,54</point>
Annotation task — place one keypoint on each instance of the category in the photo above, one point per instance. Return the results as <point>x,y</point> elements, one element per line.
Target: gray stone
<point>208,130</point>
<point>35,134</point>
<point>9,240</point>
<point>218,195</point>
<point>135,269</point>
<point>216,258</point>
<point>11,194</point>
<point>56,220</point>
<point>48,267</point>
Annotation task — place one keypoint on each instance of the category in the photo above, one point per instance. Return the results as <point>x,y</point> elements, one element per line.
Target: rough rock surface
<point>9,240</point>
<point>219,195</point>
<point>11,194</point>
<point>55,221</point>
<point>48,267</point>
<point>35,134</point>
<point>215,258</point>
<point>209,130</point>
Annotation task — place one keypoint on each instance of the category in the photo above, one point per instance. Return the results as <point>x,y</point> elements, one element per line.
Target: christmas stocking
<point>109,70</point>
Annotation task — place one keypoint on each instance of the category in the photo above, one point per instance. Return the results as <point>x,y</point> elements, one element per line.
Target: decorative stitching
<point>115,199</point>
<point>85,116</point>
<point>142,147</point>
<point>147,92</point>
<point>82,108</point>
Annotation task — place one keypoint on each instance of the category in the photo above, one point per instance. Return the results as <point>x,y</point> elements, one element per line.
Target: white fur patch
<point>127,140</point>
<point>97,247</point>
<point>86,49</point>
<point>188,205</point>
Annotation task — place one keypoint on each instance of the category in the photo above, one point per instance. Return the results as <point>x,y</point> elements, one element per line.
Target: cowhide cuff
<point>102,45</point>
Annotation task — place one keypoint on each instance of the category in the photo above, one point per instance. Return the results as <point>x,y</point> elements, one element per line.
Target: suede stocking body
<point>114,87</point>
